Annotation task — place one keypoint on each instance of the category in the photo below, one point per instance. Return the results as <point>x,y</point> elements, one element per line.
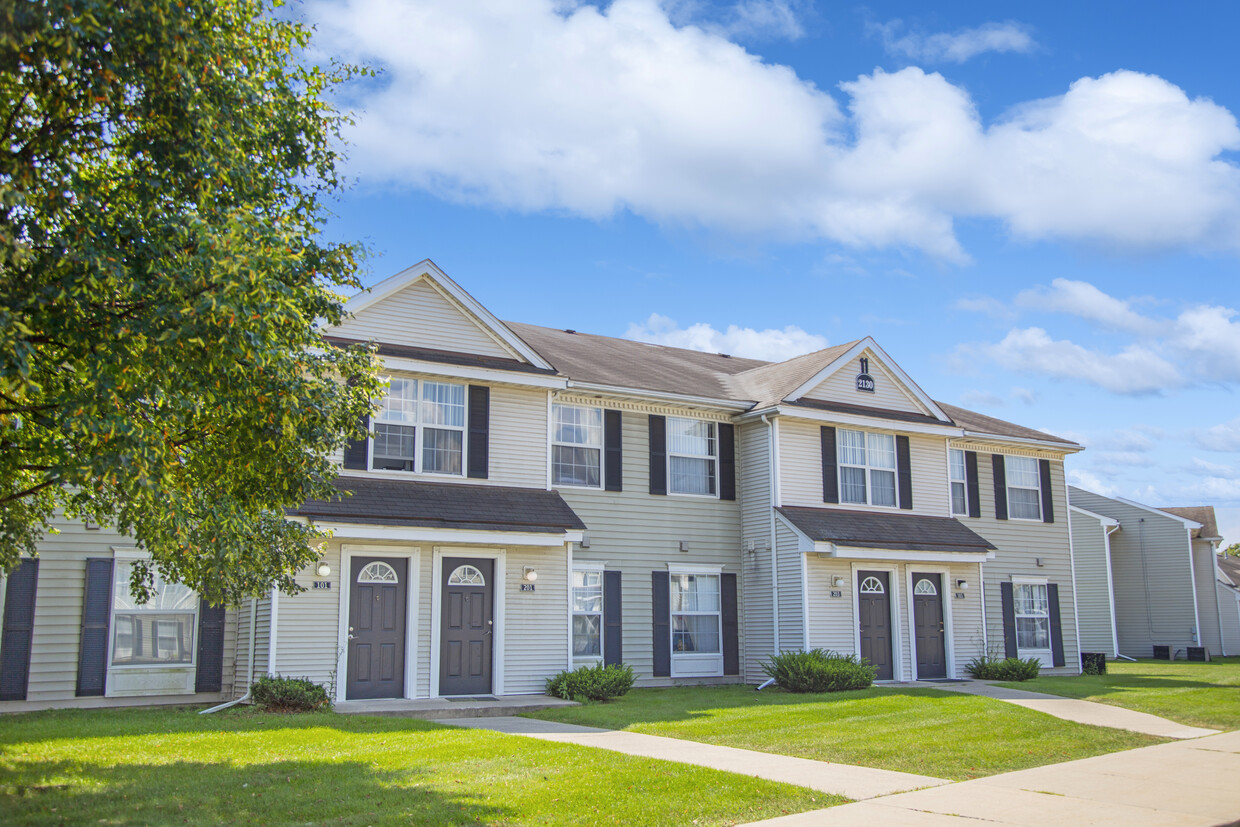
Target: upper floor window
<point>1024,489</point>
<point>420,426</point>
<point>692,456</point>
<point>867,468</point>
<point>576,445</point>
<point>956,468</point>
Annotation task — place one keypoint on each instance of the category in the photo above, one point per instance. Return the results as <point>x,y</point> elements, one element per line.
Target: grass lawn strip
<point>924,731</point>
<point>1197,694</point>
<point>175,766</point>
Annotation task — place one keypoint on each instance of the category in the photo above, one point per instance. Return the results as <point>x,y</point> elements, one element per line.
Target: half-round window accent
<point>925,587</point>
<point>466,576</point>
<point>377,573</point>
<point>872,585</point>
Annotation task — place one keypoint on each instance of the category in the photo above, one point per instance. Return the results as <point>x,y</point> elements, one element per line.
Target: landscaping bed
<point>160,766</point>
<point>924,731</point>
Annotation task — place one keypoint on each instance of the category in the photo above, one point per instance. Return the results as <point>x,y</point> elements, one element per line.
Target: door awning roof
<point>896,532</point>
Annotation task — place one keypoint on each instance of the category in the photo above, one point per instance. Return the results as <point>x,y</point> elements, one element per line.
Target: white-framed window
<point>959,486</point>
<point>696,615</point>
<point>1033,617</point>
<point>867,463</point>
<point>577,445</point>
<point>420,427</point>
<point>1024,488</point>
<point>158,633</point>
<point>587,610</point>
<point>692,457</point>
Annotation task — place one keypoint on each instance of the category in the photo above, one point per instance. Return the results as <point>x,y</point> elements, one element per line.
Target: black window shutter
<point>613,452</point>
<point>210,675</point>
<point>17,634</point>
<point>479,431</point>
<point>1000,472</point>
<point>661,599</point>
<point>356,450</point>
<point>904,472</point>
<point>970,483</point>
<point>1048,500</point>
<point>731,626</point>
<point>612,628</point>
<point>1052,597</point>
<point>830,478</point>
<point>727,462</point>
<point>658,454</point>
<point>1009,619</point>
<point>96,616</point>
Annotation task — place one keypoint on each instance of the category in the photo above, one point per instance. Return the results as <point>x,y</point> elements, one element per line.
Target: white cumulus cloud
<point>956,47</point>
<point>1090,482</point>
<point>1224,437</point>
<point>772,345</point>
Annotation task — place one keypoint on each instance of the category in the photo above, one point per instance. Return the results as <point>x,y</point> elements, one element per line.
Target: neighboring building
<point>534,499</point>
<point>1228,587</point>
<point>1148,577</point>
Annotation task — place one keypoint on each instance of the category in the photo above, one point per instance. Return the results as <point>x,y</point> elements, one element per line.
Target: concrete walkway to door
<point>852,782</point>
<point>1082,712</point>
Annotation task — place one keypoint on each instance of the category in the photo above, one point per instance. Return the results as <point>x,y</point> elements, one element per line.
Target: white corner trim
<point>272,628</point>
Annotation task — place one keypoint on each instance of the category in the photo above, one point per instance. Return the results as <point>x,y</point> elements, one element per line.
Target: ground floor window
<point>1033,616</point>
<point>695,614</point>
<point>159,632</point>
<point>587,603</point>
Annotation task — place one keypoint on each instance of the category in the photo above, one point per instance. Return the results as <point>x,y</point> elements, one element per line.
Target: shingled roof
<point>443,505</point>
<point>864,529</point>
<point>1203,514</point>
<point>973,421</point>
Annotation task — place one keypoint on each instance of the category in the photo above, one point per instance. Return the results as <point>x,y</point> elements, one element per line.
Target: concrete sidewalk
<point>857,783</point>
<point>1182,783</point>
<point>1082,712</point>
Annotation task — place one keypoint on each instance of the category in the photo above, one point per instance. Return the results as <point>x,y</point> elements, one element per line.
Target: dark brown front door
<point>874,617</point>
<point>377,594</point>
<point>466,626</point>
<point>928,625</point>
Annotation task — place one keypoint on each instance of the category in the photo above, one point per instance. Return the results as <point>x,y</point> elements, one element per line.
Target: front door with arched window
<point>874,620</point>
<point>467,637</point>
<point>928,631</point>
<point>376,640</point>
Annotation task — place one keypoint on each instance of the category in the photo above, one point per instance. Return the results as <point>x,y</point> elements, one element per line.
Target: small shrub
<point>592,683</point>
<point>274,693</point>
<point>989,668</point>
<point>819,670</point>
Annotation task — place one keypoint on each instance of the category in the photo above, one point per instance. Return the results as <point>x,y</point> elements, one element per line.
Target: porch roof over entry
<point>896,532</point>
<point>444,505</point>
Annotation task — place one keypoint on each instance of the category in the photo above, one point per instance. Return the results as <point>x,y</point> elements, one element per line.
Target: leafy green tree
<point>164,166</point>
<point>1232,550</point>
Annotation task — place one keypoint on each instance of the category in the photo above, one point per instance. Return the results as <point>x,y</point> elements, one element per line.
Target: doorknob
<point>350,636</point>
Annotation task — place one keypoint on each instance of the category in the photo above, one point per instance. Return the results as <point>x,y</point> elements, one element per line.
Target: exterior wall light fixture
<point>530,574</point>
<point>838,581</point>
<point>962,584</point>
<point>324,569</point>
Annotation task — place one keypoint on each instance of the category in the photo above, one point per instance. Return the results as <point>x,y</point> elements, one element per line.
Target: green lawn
<point>1197,694</point>
<point>175,766</point>
<point>926,731</point>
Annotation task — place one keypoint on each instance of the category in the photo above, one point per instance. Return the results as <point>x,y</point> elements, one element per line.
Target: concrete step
<point>433,709</point>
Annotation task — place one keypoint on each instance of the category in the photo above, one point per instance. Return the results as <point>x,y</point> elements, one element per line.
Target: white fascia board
<point>895,555</point>
<point>868,421</point>
<point>1102,518</point>
<point>804,542</point>
<point>468,372</point>
<point>427,268</point>
<point>353,531</point>
<point>1065,447</point>
<point>889,363</point>
<point>1183,520</point>
<point>660,396</point>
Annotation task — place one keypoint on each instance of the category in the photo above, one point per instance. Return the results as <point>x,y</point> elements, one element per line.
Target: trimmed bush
<point>986,668</point>
<point>819,670</point>
<point>274,693</point>
<point>592,683</point>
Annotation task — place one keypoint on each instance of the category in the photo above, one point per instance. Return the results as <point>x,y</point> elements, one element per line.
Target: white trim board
<point>353,531</point>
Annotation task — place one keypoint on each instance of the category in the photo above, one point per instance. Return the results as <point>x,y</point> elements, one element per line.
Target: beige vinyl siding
<point>1020,544</point>
<point>535,623</point>
<point>791,596</point>
<point>831,619</point>
<point>307,624</point>
<point>421,316</point>
<point>1093,588</point>
<point>1207,597</point>
<point>1229,609</point>
<point>841,386</point>
<point>800,470</point>
<point>1151,574</point>
<point>639,533</point>
<point>754,492</point>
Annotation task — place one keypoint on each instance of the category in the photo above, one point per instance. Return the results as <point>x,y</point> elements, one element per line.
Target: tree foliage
<point>163,171</point>
<point>1232,550</point>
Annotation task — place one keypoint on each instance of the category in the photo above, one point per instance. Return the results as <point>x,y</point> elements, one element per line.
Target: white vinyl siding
<point>888,394</point>
<point>1093,590</point>
<point>754,493</point>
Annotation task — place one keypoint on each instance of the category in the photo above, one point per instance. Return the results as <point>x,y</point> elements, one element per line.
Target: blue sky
<point>1037,216</point>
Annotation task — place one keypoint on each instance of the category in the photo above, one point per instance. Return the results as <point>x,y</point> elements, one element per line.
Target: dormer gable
<point>864,376</point>
<point>420,307</point>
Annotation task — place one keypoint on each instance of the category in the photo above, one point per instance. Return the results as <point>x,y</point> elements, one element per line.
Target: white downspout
<point>1076,613</point>
<point>1107,531</point>
<point>774,466</point>
<point>271,644</point>
<point>249,666</point>
<point>1218,604</point>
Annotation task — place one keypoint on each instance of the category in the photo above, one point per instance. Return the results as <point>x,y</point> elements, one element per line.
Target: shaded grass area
<point>1197,694</point>
<point>924,731</point>
<point>175,766</point>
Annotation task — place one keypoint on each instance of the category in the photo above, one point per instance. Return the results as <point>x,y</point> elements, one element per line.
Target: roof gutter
<point>1066,447</point>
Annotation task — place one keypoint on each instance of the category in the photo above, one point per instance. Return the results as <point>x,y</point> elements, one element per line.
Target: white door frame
<point>414,555</point>
<point>893,605</point>
<point>945,590</point>
<point>499,627</point>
